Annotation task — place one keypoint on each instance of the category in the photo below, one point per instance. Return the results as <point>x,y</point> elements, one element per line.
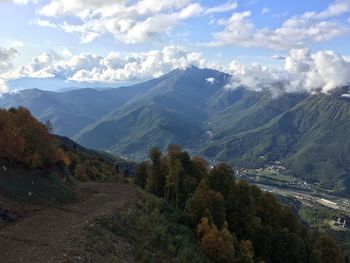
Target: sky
<point>305,44</point>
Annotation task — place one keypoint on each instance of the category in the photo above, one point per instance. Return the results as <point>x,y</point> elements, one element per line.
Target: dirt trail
<point>52,235</point>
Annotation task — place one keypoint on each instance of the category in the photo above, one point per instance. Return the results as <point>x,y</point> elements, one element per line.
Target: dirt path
<point>49,236</point>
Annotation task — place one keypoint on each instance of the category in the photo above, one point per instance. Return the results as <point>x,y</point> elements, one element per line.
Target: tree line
<point>233,220</point>
<point>25,141</point>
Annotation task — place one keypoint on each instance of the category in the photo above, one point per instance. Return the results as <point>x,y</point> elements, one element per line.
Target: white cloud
<point>20,2</point>
<point>129,22</point>
<point>323,70</point>
<point>265,10</point>
<point>69,7</point>
<point>346,95</point>
<point>3,87</point>
<point>112,68</point>
<point>7,55</point>
<point>43,23</point>
<point>294,32</point>
<point>229,6</point>
<point>303,71</point>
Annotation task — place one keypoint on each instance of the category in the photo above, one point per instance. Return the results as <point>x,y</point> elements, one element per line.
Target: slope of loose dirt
<point>54,235</point>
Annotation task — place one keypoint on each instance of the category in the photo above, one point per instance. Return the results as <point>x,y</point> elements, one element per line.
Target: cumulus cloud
<point>20,2</point>
<point>113,67</point>
<point>303,71</point>
<point>129,22</point>
<point>7,55</point>
<point>43,23</point>
<point>293,33</point>
<point>3,87</point>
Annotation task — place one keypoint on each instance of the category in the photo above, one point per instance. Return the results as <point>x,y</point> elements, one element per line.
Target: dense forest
<point>233,221</point>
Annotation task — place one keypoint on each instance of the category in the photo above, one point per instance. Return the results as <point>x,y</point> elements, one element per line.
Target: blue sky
<point>111,40</point>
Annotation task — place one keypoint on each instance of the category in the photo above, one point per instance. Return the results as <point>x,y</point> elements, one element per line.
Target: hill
<point>40,169</point>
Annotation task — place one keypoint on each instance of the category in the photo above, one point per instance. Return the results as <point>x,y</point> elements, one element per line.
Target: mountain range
<point>307,133</point>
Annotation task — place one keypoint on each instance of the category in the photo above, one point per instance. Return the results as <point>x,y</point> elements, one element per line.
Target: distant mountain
<point>58,84</point>
<point>173,110</point>
<point>309,134</point>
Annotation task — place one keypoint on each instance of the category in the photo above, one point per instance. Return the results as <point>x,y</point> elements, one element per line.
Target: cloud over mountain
<point>322,71</point>
<point>302,70</point>
<point>7,55</point>
<point>3,87</point>
<point>113,67</point>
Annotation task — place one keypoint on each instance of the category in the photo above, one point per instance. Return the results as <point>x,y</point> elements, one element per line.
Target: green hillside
<point>307,133</point>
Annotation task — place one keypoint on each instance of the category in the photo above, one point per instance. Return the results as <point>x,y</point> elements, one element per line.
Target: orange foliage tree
<point>25,140</point>
<point>216,244</point>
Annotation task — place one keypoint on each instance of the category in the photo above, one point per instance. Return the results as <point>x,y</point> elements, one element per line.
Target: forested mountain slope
<point>193,108</point>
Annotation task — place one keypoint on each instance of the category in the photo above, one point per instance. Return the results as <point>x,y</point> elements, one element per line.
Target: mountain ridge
<point>192,107</point>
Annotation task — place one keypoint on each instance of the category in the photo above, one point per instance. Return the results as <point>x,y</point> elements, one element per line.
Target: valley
<point>249,129</point>
<point>318,208</point>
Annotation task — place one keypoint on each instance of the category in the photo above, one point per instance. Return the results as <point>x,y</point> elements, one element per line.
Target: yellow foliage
<point>25,140</point>
<point>216,244</point>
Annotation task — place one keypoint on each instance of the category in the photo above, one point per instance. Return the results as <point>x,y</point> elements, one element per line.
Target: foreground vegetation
<point>197,213</point>
<point>148,231</point>
<point>233,221</point>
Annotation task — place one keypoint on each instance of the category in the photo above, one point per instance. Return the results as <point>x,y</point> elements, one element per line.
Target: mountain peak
<point>191,67</point>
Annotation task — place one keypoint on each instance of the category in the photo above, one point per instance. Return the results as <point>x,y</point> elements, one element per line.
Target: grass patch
<point>35,187</point>
<point>149,231</point>
<point>276,176</point>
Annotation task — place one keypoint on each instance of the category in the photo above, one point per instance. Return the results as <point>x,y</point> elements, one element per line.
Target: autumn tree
<point>206,202</point>
<point>218,245</point>
<point>141,174</point>
<point>80,173</point>
<point>156,180</point>
<point>12,143</point>
<point>326,250</point>
<point>26,141</point>
<point>245,252</point>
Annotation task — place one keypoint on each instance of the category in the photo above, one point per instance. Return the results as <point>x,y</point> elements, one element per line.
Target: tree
<point>26,141</point>
<point>12,143</point>
<point>216,244</point>
<point>246,252</point>
<point>141,174</point>
<point>156,181</point>
<point>206,202</point>
<point>221,179</point>
<point>200,168</point>
<point>80,173</point>
<point>326,250</point>
<point>49,126</point>
<point>117,170</point>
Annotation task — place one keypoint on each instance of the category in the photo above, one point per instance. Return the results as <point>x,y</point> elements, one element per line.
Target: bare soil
<point>54,235</point>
